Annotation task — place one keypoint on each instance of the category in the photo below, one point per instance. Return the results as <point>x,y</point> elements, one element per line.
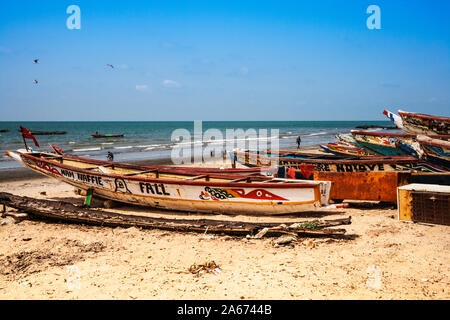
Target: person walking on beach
<point>299,140</point>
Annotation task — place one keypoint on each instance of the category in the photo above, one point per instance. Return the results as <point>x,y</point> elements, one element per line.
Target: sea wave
<point>87,149</point>
<point>316,134</point>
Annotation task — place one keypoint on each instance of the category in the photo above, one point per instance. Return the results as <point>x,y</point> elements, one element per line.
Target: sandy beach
<point>386,259</point>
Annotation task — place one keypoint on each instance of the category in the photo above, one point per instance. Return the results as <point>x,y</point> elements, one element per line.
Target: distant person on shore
<point>299,140</point>
<point>110,156</point>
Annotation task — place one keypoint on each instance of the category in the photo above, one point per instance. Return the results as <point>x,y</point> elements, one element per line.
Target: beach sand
<point>388,259</point>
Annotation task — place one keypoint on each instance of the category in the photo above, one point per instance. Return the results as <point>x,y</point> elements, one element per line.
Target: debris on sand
<point>207,267</point>
<point>284,240</point>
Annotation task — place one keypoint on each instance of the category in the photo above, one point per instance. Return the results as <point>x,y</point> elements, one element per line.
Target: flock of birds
<point>36,61</point>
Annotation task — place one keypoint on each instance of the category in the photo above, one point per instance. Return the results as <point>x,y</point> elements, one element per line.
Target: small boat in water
<point>107,135</point>
<point>42,133</point>
<point>177,189</point>
<point>4,130</point>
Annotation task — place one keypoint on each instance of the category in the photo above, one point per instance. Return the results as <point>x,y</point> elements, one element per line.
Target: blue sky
<point>223,60</point>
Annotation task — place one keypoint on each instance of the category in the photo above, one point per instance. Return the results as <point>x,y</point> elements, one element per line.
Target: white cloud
<point>171,84</point>
<point>142,87</point>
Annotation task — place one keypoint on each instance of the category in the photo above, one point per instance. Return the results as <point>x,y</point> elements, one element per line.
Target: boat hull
<point>424,124</point>
<point>356,179</point>
<point>194,196</point>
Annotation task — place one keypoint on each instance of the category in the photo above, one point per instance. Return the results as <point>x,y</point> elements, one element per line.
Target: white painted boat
<point>178,189</point>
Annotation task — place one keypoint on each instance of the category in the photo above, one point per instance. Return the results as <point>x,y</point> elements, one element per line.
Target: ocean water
<point>152,140</point>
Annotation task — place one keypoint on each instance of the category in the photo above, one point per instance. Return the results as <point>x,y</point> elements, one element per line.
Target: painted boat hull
<point>375,180</point>
<point>424,124</point>
<point>382,150</point>
<point>437,151</point>
<point>383,144</point>
<point>363,164</point>
<point>343,150</point>
<point>193,196</point>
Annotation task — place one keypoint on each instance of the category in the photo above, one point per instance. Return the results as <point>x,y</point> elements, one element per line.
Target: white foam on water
<point>72,142</point>
<point>87,149</point>
<point>148,146</point>
<point>126,147</point>
<point>316,134</point>
<point>107,142</point>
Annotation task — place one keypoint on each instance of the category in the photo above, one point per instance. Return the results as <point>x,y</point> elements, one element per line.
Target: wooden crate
<point>426,203</point>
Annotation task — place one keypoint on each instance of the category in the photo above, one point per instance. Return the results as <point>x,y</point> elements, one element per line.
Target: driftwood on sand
<point>64,211</point>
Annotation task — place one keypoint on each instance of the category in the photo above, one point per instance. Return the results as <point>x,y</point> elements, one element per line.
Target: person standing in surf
<point>299,140</point>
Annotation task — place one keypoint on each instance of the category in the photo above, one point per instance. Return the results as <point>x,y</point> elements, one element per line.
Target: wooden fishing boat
<point>108,135</point>
<point>436,150</point>
<point>345,149</point>
<point>347,138</point>
<point>181,189</point>
<point>394,118</point>
<point>401,143</point>
<point>348,164</point>
<point>387,144</point>
<point>43,133</point>
<point>365,178</point>
<point>376,127</point>
<point>301,155</point>
<point>424,124</point>
<point>266,171</point>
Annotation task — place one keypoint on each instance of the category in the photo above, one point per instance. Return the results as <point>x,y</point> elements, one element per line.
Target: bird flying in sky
<point>109,65</point>
<point>36,61</point>
<point>35,82</point>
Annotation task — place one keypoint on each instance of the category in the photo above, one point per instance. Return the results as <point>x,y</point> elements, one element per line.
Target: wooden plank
<point>404,205</point>
<point>68,212</point>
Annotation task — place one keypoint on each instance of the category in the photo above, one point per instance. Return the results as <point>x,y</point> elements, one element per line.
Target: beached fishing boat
<point>424,124</point>
<point>397,120</point>
<point>341,164</point>
<point>365,178</point>
<point>301,155</point>
<point>345,149</point>
<point>402,143</point>
<point>183,190</point>
<point>388,144</point>
<point>96,135</point>
<point>347,138</point>
<point>436,150</point>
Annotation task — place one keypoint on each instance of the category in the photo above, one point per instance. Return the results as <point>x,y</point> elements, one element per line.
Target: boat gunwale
<point>275,185</point>
<point>434,142</point>
<point>395,134</point>
<point>358,160</point>
<point>162,167</point>
<point>424,116</point>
